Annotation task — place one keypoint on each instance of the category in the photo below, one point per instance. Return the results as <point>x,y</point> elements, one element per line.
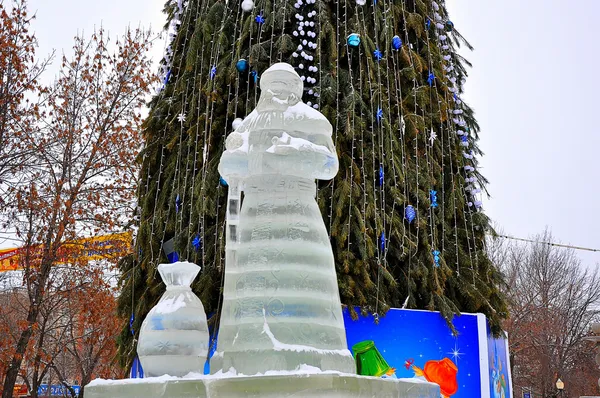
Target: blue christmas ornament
<point>213,72</point>
<point>131,320</point>
<point>427,23</point>
<point>382,242</point>
<point>381,175</point>
<point>167,78</point>
<point>396,42</point>
<point>436,257</point>
<point>259,18</point>
<point>449,26</point>
<point>379,114</point>
<point>353,40</point>
<point>242,66</point>
<point>222,181</point>
<point>430,78</point>
<point>463,138</point>
<point>197,242</point>
<point>254,75</point>
<point>177,204</point>
<point>378,54</point>
<point>433,198</point>
<point>410,213</point>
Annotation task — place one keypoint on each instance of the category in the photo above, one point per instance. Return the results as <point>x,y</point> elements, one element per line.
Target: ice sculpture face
<point>174,336</point>
<point>281,306</point>
<point>282,79</point>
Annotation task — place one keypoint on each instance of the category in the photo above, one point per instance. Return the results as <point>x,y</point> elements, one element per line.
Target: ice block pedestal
<point>316,385</point>
<point>281,320</point>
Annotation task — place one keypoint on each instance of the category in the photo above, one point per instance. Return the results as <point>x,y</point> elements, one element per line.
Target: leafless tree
<point>82,181</point>
<point>553,301</point>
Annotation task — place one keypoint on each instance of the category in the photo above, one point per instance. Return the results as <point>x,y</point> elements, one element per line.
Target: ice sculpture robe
<point>281,306</point>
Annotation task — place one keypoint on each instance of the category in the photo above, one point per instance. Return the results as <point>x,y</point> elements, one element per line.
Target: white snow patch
<point>163,379</point>
<point>302,370</point>
<point>303,112</point>
<point>279,346</point>
<point>300,144</point>
<point>405,302</point>
<point>282,66</point>
<point>222,375</point>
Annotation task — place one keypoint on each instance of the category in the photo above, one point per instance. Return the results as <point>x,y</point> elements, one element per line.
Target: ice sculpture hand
<point>301,158</point>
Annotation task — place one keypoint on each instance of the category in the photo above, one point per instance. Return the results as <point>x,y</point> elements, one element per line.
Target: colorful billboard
<point>419,344</point>
<point>9,259</point>
<point>85,249</point>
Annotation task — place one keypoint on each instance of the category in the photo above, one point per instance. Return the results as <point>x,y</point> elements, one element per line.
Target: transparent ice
<point>174,336</point>
<point>281,329</point>
<point>281,306</point>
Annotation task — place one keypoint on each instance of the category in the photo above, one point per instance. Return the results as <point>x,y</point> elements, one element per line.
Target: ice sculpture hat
<point>282,76</point>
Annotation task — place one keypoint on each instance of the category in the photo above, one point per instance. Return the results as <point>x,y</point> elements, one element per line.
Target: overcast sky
<point>533,86</point>
<point>536,99</point>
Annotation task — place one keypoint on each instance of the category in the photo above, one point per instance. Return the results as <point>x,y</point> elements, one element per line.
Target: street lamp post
<point>560,386</point>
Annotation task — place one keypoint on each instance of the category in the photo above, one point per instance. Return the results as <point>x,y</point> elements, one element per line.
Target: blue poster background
<point>56,390</point>
<point>499,367</point>
<point>408,337</point>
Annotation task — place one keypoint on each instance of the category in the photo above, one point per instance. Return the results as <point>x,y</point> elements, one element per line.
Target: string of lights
<point>545,243</point>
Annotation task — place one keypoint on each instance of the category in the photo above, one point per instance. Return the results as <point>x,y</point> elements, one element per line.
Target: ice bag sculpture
<point>281,305</point>
<point>174,336</point>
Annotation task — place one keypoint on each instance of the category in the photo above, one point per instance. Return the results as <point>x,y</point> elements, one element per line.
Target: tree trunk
<point>15,364</point>
<point>34,309</point>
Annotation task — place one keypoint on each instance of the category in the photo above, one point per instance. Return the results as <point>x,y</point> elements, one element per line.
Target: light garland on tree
<point>305,54</point>
<point>461,130</point>
<point>393,41</point>
<point>436,7</point>
<point>167,69</point>
<point>172,31</point>
<point>432,137</point>
<point>416,142</point>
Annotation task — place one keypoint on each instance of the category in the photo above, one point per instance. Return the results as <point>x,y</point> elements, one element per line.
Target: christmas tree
<point>404,212</point>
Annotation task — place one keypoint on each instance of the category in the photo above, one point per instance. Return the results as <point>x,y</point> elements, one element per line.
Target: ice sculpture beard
<point>278,98</point>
